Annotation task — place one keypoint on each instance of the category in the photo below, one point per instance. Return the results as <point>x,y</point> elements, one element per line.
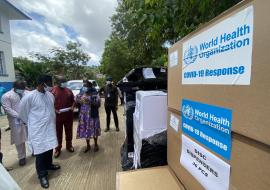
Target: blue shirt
<point>2,92</point>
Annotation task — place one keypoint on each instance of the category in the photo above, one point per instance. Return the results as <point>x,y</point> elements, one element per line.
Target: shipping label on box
<point>174,122</point>
<point>212,172</point>
<point>208,124</point>
<point>148,73</point>
<point>222,54</point>
<point>173,59</point>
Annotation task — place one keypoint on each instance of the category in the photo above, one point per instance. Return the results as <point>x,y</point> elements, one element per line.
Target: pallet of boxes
<point>218,103</point>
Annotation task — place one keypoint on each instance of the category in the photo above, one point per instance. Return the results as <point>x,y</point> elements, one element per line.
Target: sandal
<point>88,148</point>
<point>57,154</point>
<point>70,149</point>
<point>96,148</point>
<point>9,168</point>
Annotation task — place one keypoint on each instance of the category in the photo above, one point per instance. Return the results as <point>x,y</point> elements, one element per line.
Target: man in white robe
<point>37,110</point>
<point>10,103</point>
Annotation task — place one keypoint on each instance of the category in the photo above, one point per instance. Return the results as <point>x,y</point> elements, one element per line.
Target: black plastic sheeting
<point>134,80</point>
<point>153,152</point>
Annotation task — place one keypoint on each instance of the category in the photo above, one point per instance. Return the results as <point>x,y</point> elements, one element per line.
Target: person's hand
<point>72,108</point>
<point>57,111</point>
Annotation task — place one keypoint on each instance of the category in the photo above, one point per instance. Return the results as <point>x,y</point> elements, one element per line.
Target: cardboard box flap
<point>159,178</point>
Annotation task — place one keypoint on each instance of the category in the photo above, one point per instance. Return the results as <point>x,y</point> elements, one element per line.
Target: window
<point>2,63</point>
<point>1,25</point>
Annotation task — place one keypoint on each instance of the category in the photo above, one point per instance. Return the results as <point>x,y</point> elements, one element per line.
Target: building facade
<point>7,12</point>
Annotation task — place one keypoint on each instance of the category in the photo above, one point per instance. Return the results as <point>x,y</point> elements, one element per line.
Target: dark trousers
<point>43,163</point>
<point>1,154</point>
<point>64,120</point>
<point>112,109</point>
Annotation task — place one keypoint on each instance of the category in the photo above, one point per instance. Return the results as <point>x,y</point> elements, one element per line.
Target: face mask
<point>63,85</point>
<point>47,88</point>
<point>84,89</point>
<point>108,82</point>
<point>19,91</point>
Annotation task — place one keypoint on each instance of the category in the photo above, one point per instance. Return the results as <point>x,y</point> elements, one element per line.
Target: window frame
<point>1,25</point>
<point>3,71</point>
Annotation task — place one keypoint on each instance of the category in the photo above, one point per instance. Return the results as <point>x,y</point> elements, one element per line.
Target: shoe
<point>106,130</point>
<point>70,149</point>
<point>44,182</point>
<point>22,162</point>
<point>9,168</point>
<point>54,167</point>
<point>57,153</point>
<point>96,148</point>
<point>117,129</point>
<point>1,157</point>
<point>88,148</point>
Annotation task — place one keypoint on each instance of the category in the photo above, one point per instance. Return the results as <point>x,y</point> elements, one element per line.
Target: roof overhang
<point>12,12</point>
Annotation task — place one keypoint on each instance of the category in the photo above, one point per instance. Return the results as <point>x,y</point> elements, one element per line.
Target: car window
<point>75,85</point>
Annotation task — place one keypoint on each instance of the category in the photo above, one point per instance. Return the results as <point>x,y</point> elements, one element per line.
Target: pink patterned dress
<point>89,124</point>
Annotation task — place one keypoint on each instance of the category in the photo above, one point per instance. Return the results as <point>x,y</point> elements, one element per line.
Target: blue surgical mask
<point>63,85</point>
<point>19,91</point>
<point>84,89</point>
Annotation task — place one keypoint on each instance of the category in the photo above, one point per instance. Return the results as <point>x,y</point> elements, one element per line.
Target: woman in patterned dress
<point>89,124</point>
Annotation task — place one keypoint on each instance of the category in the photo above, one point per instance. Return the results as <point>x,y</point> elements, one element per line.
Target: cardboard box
<point>150,112</point>
<point>159,178</point>
<point>149,118</point>
<point>250,103</point>
<point>250,168</point>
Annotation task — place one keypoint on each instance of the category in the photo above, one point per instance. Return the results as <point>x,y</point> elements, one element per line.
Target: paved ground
<point>92,171</point>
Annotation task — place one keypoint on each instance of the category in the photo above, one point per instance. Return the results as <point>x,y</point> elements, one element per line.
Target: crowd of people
<point>37,119</point>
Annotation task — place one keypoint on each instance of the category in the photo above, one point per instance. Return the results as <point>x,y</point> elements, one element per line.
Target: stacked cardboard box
<point>243,91</point>
<point>159,178</point>
<point>221,85</point>
<point>149,118</point>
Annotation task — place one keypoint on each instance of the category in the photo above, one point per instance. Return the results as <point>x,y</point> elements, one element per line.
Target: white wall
<point>5,36</point>
<point>5,46</point>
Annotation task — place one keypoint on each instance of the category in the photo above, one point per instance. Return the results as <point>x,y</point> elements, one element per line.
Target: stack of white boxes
<point>150,118</point>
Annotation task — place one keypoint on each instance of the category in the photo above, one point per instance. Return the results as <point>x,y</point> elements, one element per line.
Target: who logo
<point>190,55</point>
<point>188,112</point>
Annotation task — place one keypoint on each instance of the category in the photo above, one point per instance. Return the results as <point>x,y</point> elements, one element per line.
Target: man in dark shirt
<point>111,103</point>
<point>64,106</point>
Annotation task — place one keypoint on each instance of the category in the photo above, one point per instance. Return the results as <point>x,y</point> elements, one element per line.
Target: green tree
<point>116,60</point>
<point>70,61</point>
<point>147,27</point>
<point>29,70</point>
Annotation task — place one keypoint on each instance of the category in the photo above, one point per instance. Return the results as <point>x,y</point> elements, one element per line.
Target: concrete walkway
<point>92,171</point>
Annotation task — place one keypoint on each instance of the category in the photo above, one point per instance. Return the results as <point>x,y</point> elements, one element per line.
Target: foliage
<point>116,58</point>
<point>144,28</point>
<point>28,70</point>
<point>70,62</point>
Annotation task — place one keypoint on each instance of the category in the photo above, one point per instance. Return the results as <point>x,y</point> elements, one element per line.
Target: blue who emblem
<point>190,55</point>
<point>188,112</point>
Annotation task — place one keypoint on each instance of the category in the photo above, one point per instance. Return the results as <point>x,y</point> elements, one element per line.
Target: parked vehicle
<point>76,85</point>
